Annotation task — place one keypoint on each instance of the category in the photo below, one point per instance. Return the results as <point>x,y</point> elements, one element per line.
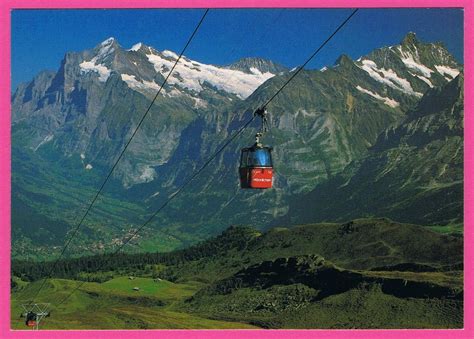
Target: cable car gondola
<point>31,318</point>
<point>256,166</point>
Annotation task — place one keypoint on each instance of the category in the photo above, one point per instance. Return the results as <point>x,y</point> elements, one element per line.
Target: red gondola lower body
<point>256,177</point>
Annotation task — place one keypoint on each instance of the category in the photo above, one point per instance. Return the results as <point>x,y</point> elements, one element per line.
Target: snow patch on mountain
<point>410,62</point>
<point>255,71</point>
<point>140,85</point>
<point>388,77</point>
<point>91,66</point>
<point>448,72</point>
<point>106,48</point>
<point>96,64</point>
<point>192,75</point>
<point>136,47</point>
<point>107,41</point>
<point>386,101</point>
<point>46,139</point>
<point>426,80</point>
<point>170,54</point>
<point>174,93</point>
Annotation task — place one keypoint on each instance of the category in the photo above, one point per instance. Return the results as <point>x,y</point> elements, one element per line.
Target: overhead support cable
<point>311,57</point>
<point>217,152</point>
<point>172,196</point>
<point>257,112</point>
<point>76,229</point>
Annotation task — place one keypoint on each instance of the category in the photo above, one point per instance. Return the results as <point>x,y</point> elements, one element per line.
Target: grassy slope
<point>363,307</point>
<point>366,244</point>
<point>360,246</point>
<point>114,305</point>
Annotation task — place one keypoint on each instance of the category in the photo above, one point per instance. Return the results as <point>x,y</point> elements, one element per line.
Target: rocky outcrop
<point>313,271</point>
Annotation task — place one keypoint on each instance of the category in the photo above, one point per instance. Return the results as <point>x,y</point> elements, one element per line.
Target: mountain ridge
<point>412,167</point>
<point>78,119</point>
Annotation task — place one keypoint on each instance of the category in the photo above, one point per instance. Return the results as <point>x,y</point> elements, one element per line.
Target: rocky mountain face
<point>257,65</point>
<point>90,107</point>
<point>75,122</point>
<point>322,122</point>
<point>413,172</point>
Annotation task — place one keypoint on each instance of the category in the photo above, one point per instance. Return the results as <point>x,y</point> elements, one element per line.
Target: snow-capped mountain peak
<point>410,67</point>
<point>196,76</point>
<point>136,47</point>
<point>141,65</point>
<point>106,48</point>
<point>108,41</point>
<point>98,63</point>
<point>170,54</point>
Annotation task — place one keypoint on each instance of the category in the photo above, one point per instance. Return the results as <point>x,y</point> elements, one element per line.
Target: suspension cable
<point>311,57</point>
<point>216,153</point>
<point>68,242</point>
<point>173,196</point>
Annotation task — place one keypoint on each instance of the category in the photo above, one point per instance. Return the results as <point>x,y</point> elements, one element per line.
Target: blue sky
<point>40,38</point>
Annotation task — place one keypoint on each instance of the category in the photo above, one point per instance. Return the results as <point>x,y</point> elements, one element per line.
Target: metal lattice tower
<point>39,310</point>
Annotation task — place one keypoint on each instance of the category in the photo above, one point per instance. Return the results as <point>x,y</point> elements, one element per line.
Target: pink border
<point>7,5</point>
